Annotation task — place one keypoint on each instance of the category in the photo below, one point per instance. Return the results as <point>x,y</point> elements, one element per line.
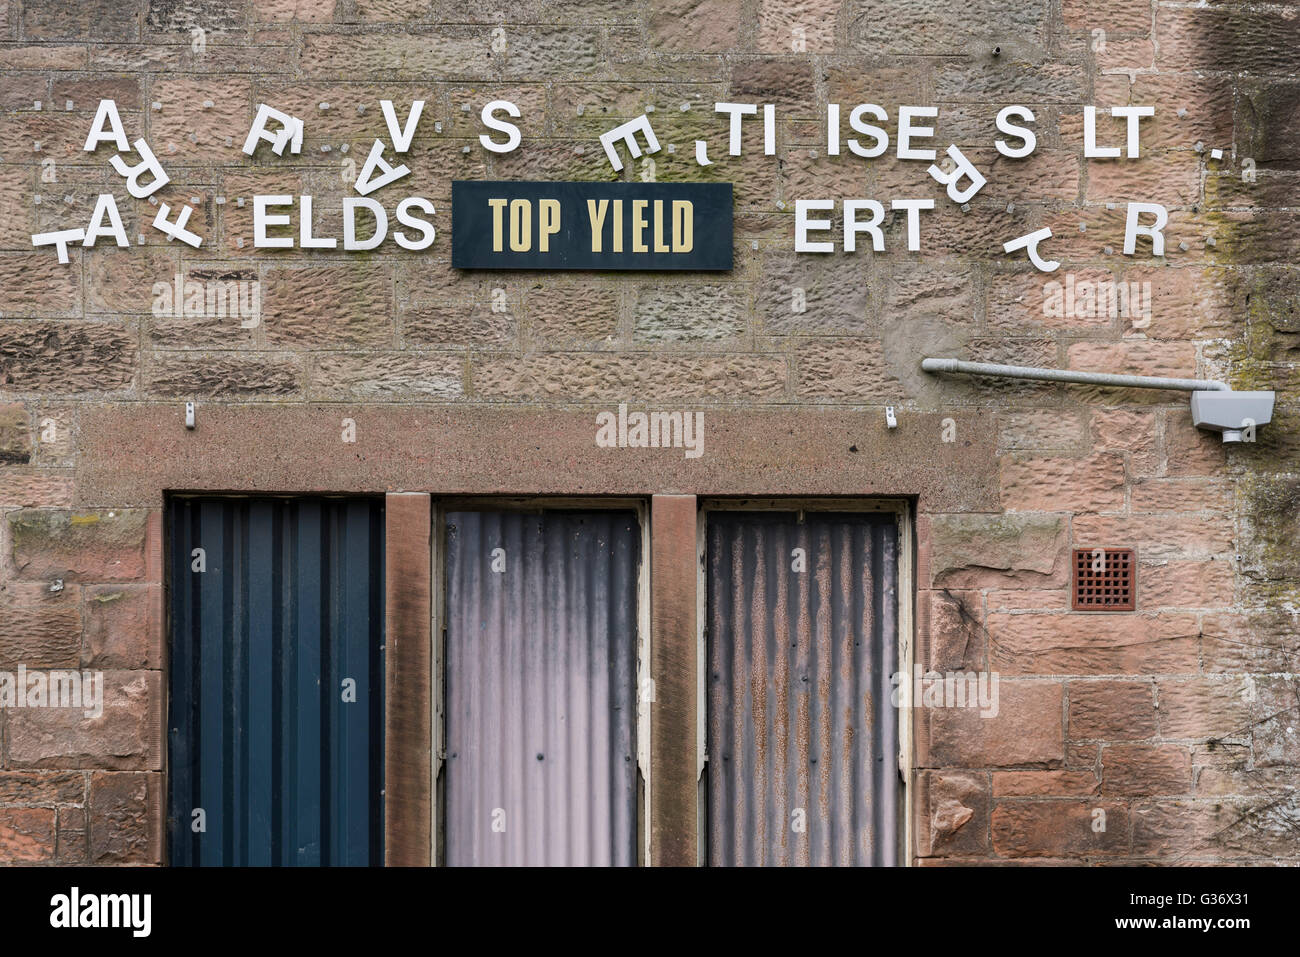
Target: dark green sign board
<point>522,225</point>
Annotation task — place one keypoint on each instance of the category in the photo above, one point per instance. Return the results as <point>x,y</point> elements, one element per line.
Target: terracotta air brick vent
<point>1105,579</point>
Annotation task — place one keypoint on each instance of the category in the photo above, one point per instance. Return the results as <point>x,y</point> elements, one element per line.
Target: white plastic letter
<point>148,164</point>
<point>1090,148</point>
<point>290,133</point>
<point>501,126</point>
<point>106,205</point>
<point>406,219</point>
<point>802,224</point>
<point>261,220</point>
<point>1132,228</point>
<point>1029,242</point>
<point>305,239</point>
<point>880,136</point>
<point>625,133</point>
<point>401,138</point>
<point>1026,134</point>
<point>852,227</point>
<point>350,206</point>
<point>735,111</point>
<point>176,230</point>
<point>906,131</point>
<point>913,207</point>
<point>107,113</point>
<point>59,238</point>
<point>364,184</point>
<point>964,168</point>
<point>1133,114</point>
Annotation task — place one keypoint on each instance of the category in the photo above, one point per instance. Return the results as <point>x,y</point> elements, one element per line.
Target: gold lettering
<point>660,245</point>
<point>498,205</point>
<point>548,223</point>
<point>638,225</point>
<point>683,225</point>
<point>521,226</point>
<point>597,215</point>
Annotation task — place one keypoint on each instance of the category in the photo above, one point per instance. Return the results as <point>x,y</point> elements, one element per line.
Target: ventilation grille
<point>1105,579</point>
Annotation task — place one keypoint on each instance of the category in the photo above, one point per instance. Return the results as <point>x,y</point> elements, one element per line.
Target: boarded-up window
<point>540,662</point>
<point>802,735</point>
<point>275,727</point>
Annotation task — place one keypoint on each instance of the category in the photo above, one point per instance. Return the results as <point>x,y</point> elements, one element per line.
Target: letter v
<point>401,138</point>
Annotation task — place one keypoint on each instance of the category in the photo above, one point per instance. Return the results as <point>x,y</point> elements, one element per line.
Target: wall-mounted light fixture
<point>1215,406</point>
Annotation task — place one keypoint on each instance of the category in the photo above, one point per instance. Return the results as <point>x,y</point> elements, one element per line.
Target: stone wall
<point>1176,720</point>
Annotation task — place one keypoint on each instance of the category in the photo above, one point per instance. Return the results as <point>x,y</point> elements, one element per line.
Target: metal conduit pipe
<point>1215,406</point>
<point>1068,375</point>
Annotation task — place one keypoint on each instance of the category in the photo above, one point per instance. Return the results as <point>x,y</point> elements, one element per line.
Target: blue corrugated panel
<point>802,735</point>
<point>541,716</point>
<point>261,738</point>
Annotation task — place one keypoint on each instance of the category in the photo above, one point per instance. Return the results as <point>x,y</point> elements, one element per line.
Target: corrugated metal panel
<point>541,657</point>
<point>290,606</point>
<point>799,689</point>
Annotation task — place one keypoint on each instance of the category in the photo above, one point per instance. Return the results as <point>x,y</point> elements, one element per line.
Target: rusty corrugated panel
<point>799,685</point>
<point>541,657</point>
<point>288,606</point>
